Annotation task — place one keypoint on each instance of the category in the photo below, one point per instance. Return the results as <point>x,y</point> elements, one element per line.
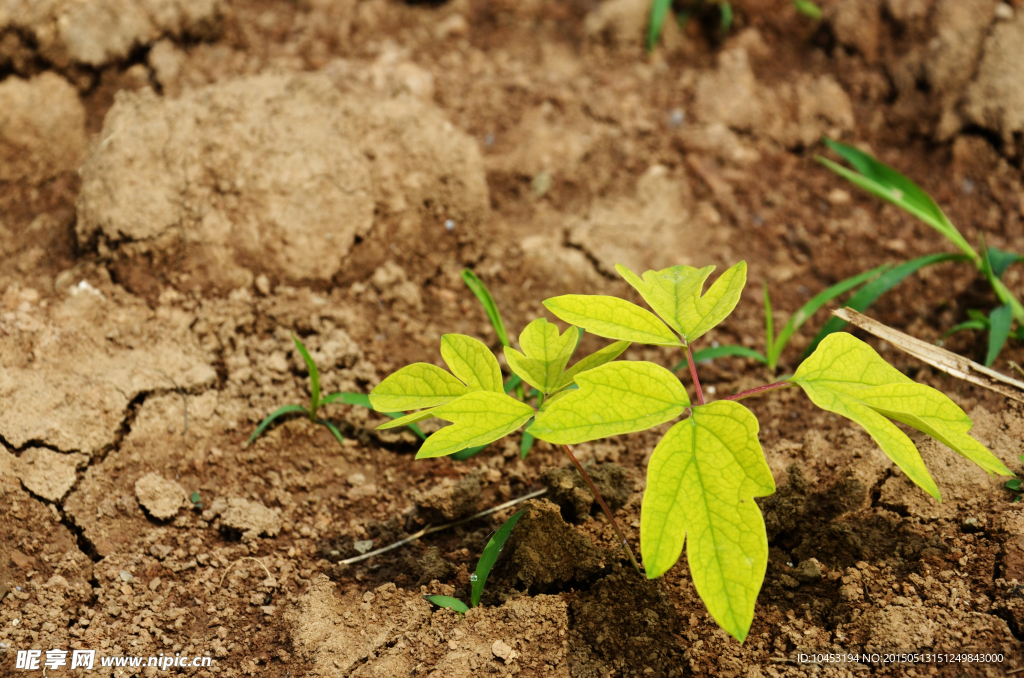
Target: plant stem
<point>759,390</point>
<point>693,373</point>
<point>604,507</point>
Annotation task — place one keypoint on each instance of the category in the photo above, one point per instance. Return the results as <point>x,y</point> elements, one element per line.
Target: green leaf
<point>675,294</point>
<point>526,444</point>
<point>1000,260</point>
<point>333,429</point>
<point>812,306</point>
<point>1014,485</point>
<point>477,418</point>
<point>612,399</point>
<point>408,419</point>
<point>966,325</point>
<point>287,409</point>
<point>449,603</point>
<point>414,387</point>
<point>612,318</point>
<point>545,354</point>
<point>725,9</point>
<point>868,294</point>
<point>348,398</point>
<point>722,352</point>
<point>490,555</point>
<point>701,482</point>
<point>595,359</point>
<point>769,324</point>
<point>314,377</point>
<point>889,185</point>
<point>847,377</point>
<point>999,320</point>
<point>477,287</point>
<point>471,361</point>
<point>1000,288</point>
<point>808,9</point>
<point>463,455</point>
<point>659,10</point>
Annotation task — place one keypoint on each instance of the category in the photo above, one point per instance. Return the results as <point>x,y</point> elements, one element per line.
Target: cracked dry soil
<point>186,183</point>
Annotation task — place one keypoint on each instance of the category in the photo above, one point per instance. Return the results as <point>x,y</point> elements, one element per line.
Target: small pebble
<point>676,117</point>
<point>363,546</point>
<point>449,224</point>
<point>125,576</point>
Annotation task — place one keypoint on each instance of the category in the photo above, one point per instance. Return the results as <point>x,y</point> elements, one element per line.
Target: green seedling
<point>708,468</point>
<point>808,9</point>
<point>660,9</point>
<point>1015,485</point>
<point>886,183</point>
<point>316,402</point>
<point>196,499</point>
<point>483,568</point>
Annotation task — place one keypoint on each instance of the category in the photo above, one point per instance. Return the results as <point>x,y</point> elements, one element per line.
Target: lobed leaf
<point>675,295</point>
<point>612,318</point>
<point>449,603</point>
<point>471,361</point>
<point>612,399</point>
<point>490,555</point>
<point>478,418</point>
<point>595,359</point>
<point>847,377</point>
<point>701,482</point>
<point>416,386</point>
<point>888,184</point>
<point>544,356</point>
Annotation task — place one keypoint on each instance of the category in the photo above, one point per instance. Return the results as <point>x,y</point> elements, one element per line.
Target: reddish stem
<point>759,390</point>
<point>693,373</point>
<point>604,506</point>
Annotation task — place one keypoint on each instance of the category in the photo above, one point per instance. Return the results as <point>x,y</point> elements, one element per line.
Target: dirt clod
<point>568,489</point>
<point>46,473</point>
<point>160,497</point>
<point>251,518</point>
<point>42,132</point>
<point>450,500</point>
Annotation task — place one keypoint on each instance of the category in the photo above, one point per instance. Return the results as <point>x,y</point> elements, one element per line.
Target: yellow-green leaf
<point>545,354</point>
<point>595,359</point>
<point>846,376</point>
<point>408,419</point>
<point>477,418</point>
<point>612,318</point>
<point>612,399</point>
<point>416,386</point>
<point>701,483</point>
<point>471,361</point>
<point>675,294</point>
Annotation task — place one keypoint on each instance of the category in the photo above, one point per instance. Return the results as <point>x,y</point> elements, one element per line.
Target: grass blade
<point>721,352</point>
<point>966,325</point>
<point>808,9</point>
<point>1000,320</point>
<point>726,11</point>
<point>876,288</point>
<point>333,429</point>
<point>526,444</point>
<point>449,602</point>
<point>363,400</point>
<point>287,409</point>
<point>1000,260</point>
<point>659,10</point>
<point>314,378</point>
<point>463,455</point>
<point>812,306</point>
<point>769,324</point>
<point>888,184</point>
<point>490,555</point>
<point>1000,288</point>
<point>477,287</point>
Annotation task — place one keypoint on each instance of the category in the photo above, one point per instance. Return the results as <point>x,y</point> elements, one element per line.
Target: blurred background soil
<point>183,183</point>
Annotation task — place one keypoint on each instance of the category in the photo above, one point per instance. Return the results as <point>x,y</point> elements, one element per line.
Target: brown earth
<point>187,182</point>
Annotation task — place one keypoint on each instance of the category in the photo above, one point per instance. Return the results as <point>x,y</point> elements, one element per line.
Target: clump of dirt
<point>160,497</point>
<point>450,500</point>
<point>544,555</point>
<point>433,567</point>
<point>46,473</point>
<point>568,489</point>
<point>627,625</point>
<point>42,133</point>
<point>198,190</point>
<point>250,518</point>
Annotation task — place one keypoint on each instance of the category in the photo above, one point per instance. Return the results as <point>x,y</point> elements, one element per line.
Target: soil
<point>186,183</point>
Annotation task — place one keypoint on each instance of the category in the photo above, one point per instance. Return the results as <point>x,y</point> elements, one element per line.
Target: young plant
<point>316,402</point>
<point>660,10</point>
<point>885,182</point>
<point>483,568</point>
<point>707,469</point>
<point>1015,485</point>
